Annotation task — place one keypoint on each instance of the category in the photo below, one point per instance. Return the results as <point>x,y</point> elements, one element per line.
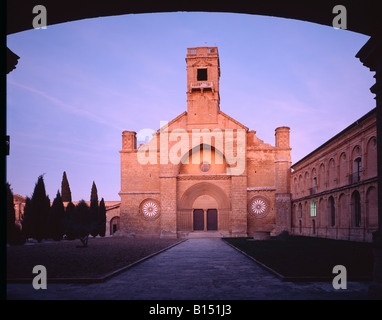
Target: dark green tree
<point>82,221</point>
<point>70,221</point>
<point>102,218</point>
<point>93,211</point>
<point>35,218</point>
<point>57,212</point>
<point>65,189</point>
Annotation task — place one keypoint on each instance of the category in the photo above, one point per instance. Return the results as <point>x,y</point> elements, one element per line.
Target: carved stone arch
<point>371,163</point>
<point>301,185</point>
<point>203,158</point>
<point>332,173</point>
<point>314,180</point>
<point>204,188</point>
<point>295,186</point>
<point>343,211</point>
<point>356,152</point>
<point>357,164</point>
<point>371,207</point>
<point>343,163</point>
<point>306,182</point>
<point>321,177</point>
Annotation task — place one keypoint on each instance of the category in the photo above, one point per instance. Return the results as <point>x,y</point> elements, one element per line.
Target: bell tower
<point>203,73</point>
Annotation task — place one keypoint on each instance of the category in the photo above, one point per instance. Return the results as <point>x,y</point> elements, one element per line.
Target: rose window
<point>205,167</point>
<point>150,209</point>
<point>258,206</point>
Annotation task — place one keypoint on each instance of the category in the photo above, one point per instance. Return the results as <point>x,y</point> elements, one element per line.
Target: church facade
<point>204,172</point>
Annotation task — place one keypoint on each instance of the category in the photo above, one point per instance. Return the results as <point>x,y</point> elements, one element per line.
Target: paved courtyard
<point>196,269</point>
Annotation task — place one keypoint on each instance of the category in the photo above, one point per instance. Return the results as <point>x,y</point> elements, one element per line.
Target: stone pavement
<point>196,269</point>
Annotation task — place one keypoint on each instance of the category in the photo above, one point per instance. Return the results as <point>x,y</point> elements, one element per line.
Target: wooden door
<point>212,219</point>
<point>198,219</point>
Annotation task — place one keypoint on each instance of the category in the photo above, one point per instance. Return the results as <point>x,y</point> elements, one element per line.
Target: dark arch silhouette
<point>362,15</point>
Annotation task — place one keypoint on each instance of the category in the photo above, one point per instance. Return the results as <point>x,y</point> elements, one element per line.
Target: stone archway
<point>206,205</point>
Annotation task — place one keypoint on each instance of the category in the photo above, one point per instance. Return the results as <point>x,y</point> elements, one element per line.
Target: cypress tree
<point>70,221</point>
<point>40,206</point>
<point>81,227</point>
<point>93,211</point>
<point>65,189</point>
<point>57,212</point>
<point>102,218</point>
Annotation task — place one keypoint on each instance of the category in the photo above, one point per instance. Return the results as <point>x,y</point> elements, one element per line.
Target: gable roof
<point>233,120</point>
<point>174,120</point>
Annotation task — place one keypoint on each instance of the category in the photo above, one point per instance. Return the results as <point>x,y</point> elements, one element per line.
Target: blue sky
<point>78,85</point>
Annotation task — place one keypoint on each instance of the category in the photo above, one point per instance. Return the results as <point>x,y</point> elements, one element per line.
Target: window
<point>356,208</point>
<point>314,186</point>
<point>202,75</point>
<point>332,212</point>
<point>357,170</point>
<point>313,208</point>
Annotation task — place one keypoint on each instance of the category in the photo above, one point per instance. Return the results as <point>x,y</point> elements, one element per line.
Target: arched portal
<point>204,206</point>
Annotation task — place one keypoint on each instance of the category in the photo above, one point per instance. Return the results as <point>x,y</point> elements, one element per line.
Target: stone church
<point>204,173</point>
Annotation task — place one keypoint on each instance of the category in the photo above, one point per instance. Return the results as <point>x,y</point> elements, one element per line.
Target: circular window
<point>150,209</point>
<point>205,167</point>
<point>258,206</point>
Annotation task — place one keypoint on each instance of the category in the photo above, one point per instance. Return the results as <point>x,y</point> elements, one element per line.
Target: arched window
<point>313,208</point>
<point>314,186</point>
<point>332,212</point>
<point>357,168</point>
<point>356,208</point>
<point>295,187</point>
<point>300,210</point>
<point>332,178</point>
<point>114,225</point>
<point>371,158</point>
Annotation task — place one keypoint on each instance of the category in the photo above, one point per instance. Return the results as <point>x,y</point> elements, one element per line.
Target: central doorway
<point>205,220</point>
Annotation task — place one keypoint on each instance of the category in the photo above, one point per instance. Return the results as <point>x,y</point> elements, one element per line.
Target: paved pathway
<point>197,269</point>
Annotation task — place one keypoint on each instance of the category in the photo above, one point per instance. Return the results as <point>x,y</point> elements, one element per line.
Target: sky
<point>79,85</point>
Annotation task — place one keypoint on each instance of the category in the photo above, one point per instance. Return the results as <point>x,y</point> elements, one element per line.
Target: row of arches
<point>347,215</point>
<point>338,170</point>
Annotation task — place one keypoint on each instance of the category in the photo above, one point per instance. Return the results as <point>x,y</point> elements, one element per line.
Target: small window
<point>202,75</point>
<point>313,208</point>
<point>332,212</point>
<point>357,169</point>
<point>356,203</point>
